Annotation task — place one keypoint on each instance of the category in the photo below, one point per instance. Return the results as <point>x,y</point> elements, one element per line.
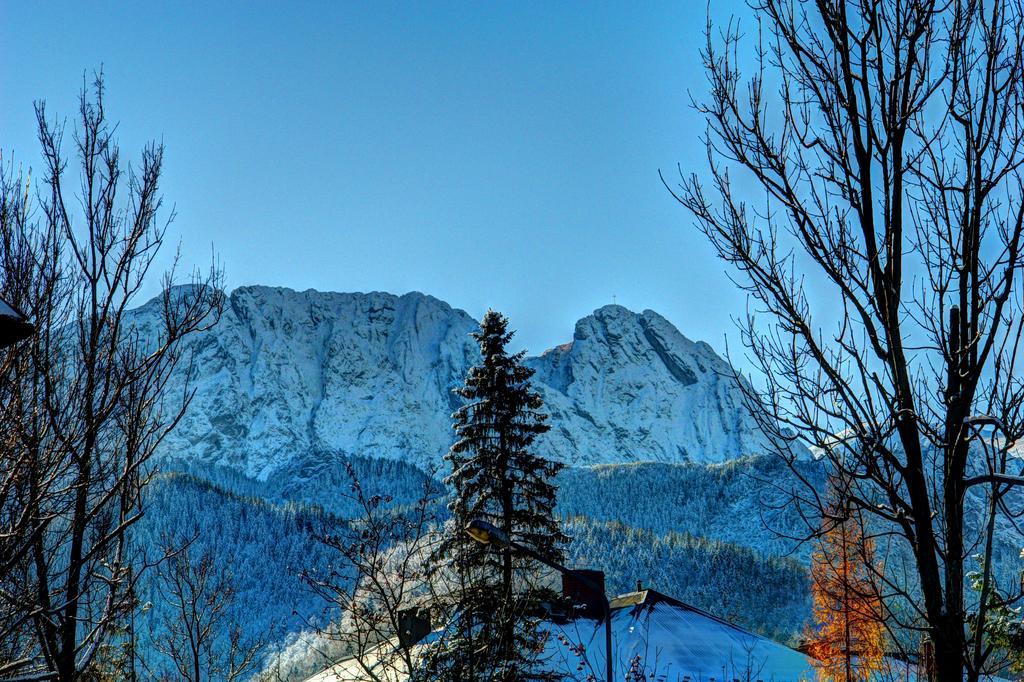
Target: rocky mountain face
<point>285,376</point>
<point>630,387</point>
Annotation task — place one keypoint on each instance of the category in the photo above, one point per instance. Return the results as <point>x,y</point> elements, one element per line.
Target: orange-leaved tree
<point>846,642</point>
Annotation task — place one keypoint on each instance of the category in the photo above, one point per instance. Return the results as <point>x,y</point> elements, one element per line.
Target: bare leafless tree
<point>29,281</point>
<point>197,635</point>
<point>378,583</point>
<point>84,400</point>
<point>865,184</point>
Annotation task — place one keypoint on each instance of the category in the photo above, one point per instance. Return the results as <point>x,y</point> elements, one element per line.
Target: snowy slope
<point>285,375</point>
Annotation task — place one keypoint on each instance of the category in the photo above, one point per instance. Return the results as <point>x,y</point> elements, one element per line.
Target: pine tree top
<point>493,334</point>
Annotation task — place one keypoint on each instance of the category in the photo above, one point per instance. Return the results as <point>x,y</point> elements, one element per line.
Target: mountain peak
<point>613,310</point>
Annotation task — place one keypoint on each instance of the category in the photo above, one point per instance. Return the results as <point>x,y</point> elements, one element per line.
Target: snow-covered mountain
<point>285,375</point>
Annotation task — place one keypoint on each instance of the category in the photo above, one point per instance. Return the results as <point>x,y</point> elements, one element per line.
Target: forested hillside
<point>264,546</point>
<point>264,531</point>
<point>765,594</point>
<point>740,502</point>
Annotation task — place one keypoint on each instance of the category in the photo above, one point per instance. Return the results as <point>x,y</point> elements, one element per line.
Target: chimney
<point>585,601</point>
<point>413,626</point>
<point>639,586</point>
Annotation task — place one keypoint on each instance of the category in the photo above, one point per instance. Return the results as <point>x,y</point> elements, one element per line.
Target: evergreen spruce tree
<point>496,476</point>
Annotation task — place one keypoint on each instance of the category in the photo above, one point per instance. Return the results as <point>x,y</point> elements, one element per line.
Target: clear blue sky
<point>490,154</point>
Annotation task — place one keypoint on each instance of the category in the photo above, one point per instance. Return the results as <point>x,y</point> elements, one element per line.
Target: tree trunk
<point>949,652</point>
<point>509,624</point>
